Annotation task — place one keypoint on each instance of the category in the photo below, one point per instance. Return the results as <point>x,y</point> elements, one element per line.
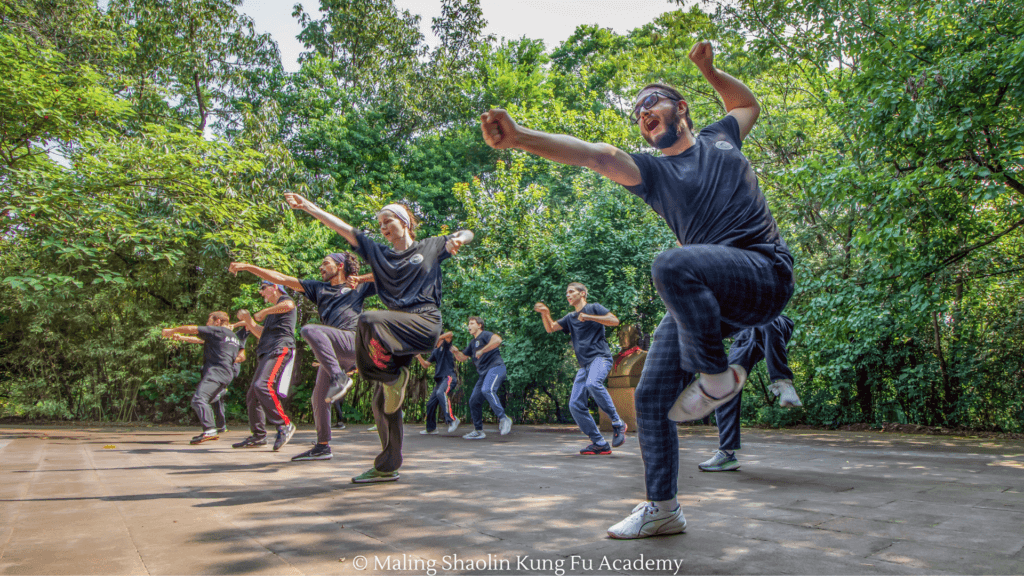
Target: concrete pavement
<point>143,501</point>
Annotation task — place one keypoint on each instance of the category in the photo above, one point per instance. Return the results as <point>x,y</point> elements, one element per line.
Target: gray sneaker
<point>720,462</point>
<point>505,426</point>
<point>788,397</point>
<point>475,435</point>
<point>454,425</point>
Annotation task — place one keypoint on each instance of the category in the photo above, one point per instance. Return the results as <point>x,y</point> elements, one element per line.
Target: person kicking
<point>733,270</point>
<point>768,342</point>
<point>586,328</point>
<point>221,348</point>
<point>275,353</point>
<point>339,301</point>
<point>484,352</point>
<point>445,381</point>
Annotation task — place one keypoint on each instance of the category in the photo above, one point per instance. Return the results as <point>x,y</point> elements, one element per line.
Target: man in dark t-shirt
<point>274,355</point>
<point>585,327</point>
<point>221,348</point>
<point>732,271</point>
<point>483,351</point>
<point>445,381</point>
<point>339,301</point>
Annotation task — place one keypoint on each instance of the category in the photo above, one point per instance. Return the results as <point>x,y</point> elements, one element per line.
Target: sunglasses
<point>649,102</point>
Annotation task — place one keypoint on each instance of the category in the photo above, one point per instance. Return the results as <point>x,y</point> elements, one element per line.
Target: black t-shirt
<point>588,339</point>
<point>408,278</point>
<point>339,306</point>
<point>220,346</point>
<point>278,331</point>
<point>243,336</point>
<point>489,359</point>
<point>709,193</point>
<point>444,361</point>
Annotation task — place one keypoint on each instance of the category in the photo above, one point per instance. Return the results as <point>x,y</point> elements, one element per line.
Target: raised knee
<point>307,331</point>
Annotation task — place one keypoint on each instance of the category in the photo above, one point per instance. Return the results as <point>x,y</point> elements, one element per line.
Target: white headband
<point>400,212</point>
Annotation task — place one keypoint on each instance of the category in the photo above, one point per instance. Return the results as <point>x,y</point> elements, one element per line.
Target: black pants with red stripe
<point>263,401</point>
<point>441,398</point>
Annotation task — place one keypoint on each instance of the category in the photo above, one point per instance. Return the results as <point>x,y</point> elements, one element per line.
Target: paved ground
<point>142,501</point>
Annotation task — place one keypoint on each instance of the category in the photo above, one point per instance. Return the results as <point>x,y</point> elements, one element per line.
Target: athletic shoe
<point>223,430</point>
<point>317,452</point>
<point>372,428</point>
<point>475,435</point>
<point>337,390</point>
<point>646,520</point>
<point>720,462</point>
<point>597,450</point>
<point>618,434</point>
<point>251,442</point>
<point>340,425</point>
<point>204,437</point>
<point>454,425</point>
<point>284,434</point>
<point>504,425</point>
<point>394,394</point>
<point>695,403</point>
<point>373,475</point>
<point>428,431</point>
<point>786,393</point>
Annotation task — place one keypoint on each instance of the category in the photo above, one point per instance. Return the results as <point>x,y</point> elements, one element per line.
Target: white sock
<point>667,505</point>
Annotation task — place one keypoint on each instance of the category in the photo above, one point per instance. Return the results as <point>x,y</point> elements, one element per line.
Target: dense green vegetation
<point>145,144</point>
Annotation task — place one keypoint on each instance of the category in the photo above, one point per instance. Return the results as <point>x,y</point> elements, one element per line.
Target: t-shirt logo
<point>416,259</point>
<point>723,145</point>
<point>344,291</point>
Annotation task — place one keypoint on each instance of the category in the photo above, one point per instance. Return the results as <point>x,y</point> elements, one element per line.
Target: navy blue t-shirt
<point>709,193</point>
<point>339,306</point>
<point>588,340</point>
<point>278,331</point>
<point>444,362</point>
<point>408,278</point>
<point>220,346</point>
<point>489,359</point>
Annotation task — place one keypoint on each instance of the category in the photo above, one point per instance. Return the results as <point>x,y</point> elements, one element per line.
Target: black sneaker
<point>318,452</point>
<point>204,437</point>
<point>251,442</point>
<point>618,435</point>
<point>595,450</point>
<point>284,434</point>
<point>340,425</point>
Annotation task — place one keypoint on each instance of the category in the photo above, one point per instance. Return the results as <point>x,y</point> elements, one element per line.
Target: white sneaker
<point>786,393</point>
<point>505,426</point>
<point>428,431</point>
<point>454,425</point>
<point>694,403</point>
<point>475,435</point>
<point>646,520</point>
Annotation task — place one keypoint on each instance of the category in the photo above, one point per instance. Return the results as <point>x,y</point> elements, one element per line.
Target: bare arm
<point>545,316</point>
<point>188,329</point>
<point>264,273</point>
<point>739,101</point>
<point>280,307</point>
<point>424,363</point>
<point>458,240</point>
<point>500,132</point>
<point>459,356</point>
<point>355,280</point>
<point>608,319</point>
<point>250,324</point>
<point>331,221</point>
<point>188,339</point>
<point>493,343</point>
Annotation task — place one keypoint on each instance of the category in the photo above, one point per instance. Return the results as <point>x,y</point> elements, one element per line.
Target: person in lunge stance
<point>445,381</point>
<point>733,271</point>
<point>748,348</point>
<point>586,327</point>
<point>483,351</point>
<point>274,355</point>
<point>408,280</point>
<point>221,349</point>
<point>334,341</point>
<point>218,404</point>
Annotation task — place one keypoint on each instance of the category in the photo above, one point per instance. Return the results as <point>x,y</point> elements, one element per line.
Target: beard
<point>669,137</point>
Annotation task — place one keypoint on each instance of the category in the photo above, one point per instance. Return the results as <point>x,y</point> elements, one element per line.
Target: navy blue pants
<point>441,398</point>
<point>487,388</point>
<point>711,292</point>
<point>766,342</point>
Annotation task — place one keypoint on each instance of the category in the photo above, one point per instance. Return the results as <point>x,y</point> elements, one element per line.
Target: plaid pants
<point>711,292</point>
<point>766,342</point>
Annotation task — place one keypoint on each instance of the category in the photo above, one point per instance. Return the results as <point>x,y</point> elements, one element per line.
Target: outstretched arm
<point>501,132</point>
<point>264,273</point>
<point>739,101</point>
<point>188,339</point>
<point>297,202</point>
<point>187,329</point>
<point>458,240</point>
<point>424,363</point>
<point>545,316</point>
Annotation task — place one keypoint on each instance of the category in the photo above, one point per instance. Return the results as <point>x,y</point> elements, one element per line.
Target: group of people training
<point>731,276</point>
